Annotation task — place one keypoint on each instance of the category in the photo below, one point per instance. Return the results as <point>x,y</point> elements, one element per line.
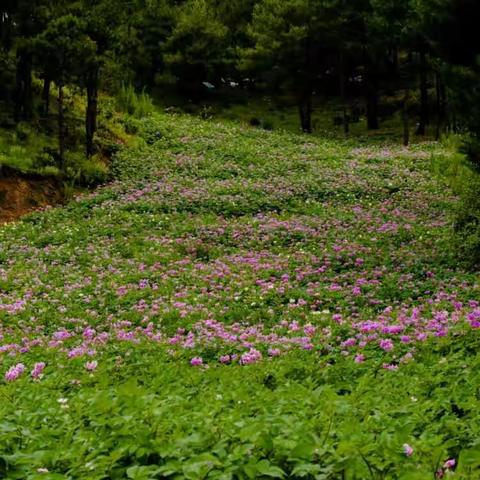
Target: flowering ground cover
<point>242,304</point>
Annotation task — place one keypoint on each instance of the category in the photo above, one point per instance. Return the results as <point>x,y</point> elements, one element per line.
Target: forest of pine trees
<point>422,52</point>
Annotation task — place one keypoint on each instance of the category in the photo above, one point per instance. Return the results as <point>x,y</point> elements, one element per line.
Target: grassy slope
<point>30,148</point>
<point>217,240</point>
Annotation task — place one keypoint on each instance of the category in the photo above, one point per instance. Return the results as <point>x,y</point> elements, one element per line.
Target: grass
<point>242,304</point>
<point>24,149</point>
<point>280,112</point>
<point>31,148</point>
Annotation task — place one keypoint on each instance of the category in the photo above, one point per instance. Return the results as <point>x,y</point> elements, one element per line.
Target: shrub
<point>130,125</point>
<point>49,171</point>
<point>17,157</point>
<point>86,171</point>
<point>471,148</point>
<point>93,171</point>
<point>467,223</point>
<point>138,105</point>
<point>206,112</point>
<point>267,124</point>
<point>23,132</point>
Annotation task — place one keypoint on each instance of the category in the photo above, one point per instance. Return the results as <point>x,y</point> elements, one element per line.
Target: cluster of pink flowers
<point>252,356</point>
<point>38,370</point>
<point>14,372</point>
<point>250,288</point>
<point>196,361</point>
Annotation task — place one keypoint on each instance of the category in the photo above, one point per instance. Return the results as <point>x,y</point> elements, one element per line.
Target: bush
<point>86,171</point>
<point>467,223</point>
<point>471,148</point>
<point>138,105</point>
<point>93,171</point>
<point>23,132</point>
<point>49,171</point>
<point>17,157</point>
<point>206,112</point>
<point>130,125</point>
<point>267,124</point>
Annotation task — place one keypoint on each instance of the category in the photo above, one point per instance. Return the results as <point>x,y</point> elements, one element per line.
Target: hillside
<point>242,304</point>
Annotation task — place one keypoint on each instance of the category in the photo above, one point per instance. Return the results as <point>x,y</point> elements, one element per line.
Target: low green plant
<point>136,104</point>
<point>87,172</point>
<point>467,222</point>
<point>240,305</point>
<point>471,148</point>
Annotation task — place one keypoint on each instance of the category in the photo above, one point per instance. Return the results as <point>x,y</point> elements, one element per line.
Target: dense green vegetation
<point>276,274</point>
<point>242,304</point>
<point>361,64</point>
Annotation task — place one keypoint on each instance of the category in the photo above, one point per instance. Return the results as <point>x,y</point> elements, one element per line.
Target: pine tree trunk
<point>346,119</point>
<point>406,123</point>
<point>305,109</point>
<point>371,94</point>
<point>444,107</point>
<point>424,110</point>
<point>441,106</point>
<point>61,128</point>
<point>46,96</point>
<point>92,110</point>
<point>23,88</point>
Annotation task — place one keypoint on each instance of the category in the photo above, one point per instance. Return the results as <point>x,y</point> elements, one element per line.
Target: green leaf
<point>264,467</point>
<point>306,469</point>
<point>142,473</point>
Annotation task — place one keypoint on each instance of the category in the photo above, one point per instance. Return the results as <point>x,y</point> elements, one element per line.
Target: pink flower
<point>14,372</point>
<point>90,366</point>
<point>309,330</point>
<point>37,370</point>
<point>196,361</point>
<point>251,356</point>
<point>407,450</point>
<point>225,359</point>
<point>389,366</point>
<point>274,352</point>
<point>337,318</point>
<point>386,344</point>
<point>360,358</point>
<point>449,463</point>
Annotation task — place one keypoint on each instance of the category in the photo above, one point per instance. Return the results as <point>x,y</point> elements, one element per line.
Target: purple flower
<point>90,366</point>
<point>37,370</point>
<point>251,356</point>
<point>449,463</point>
<point>14,372</point>
<point>309,330</point>
<point>407,450</point>
<point>196,361</point>
<point>390,366</point>
<point>274,352</point>
<point>225,359</point>
<point>337,318</point>
<point>356,291</point>
<point>386,344</point>
<point>360,358</point>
